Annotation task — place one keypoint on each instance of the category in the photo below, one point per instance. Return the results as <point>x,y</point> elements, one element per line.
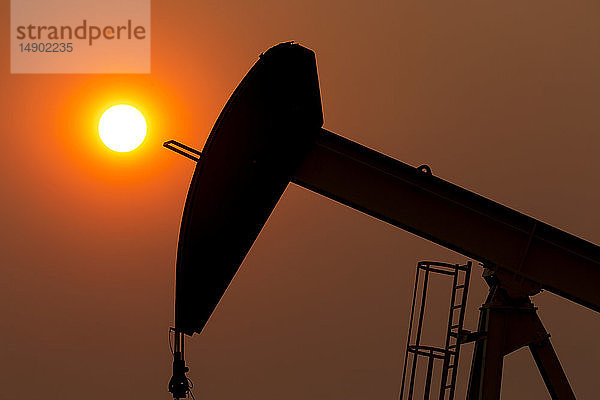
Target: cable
<point>190,387</point>
<point>171,344</point>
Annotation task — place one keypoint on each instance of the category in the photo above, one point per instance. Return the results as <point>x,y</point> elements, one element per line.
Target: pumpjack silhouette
<point>270,134</point>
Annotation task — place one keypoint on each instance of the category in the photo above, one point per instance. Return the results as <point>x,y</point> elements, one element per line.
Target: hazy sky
<point>500,97</point>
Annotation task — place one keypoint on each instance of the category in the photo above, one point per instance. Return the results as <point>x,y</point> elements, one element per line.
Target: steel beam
<point>414,200</point>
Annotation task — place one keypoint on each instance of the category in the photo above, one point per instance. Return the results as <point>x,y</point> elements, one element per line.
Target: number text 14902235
<point>46,47</point>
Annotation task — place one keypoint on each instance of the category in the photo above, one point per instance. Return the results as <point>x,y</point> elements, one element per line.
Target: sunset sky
<point>500,97</point>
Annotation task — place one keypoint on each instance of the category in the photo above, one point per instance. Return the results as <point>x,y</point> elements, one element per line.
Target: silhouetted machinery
<point>270,134</point>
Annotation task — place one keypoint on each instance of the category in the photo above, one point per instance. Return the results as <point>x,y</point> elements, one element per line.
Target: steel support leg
<point>507,324</point>
<point>488,356</point>
<point>549,366</point>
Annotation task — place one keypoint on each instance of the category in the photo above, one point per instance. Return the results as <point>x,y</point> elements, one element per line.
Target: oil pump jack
<point>270,134</point>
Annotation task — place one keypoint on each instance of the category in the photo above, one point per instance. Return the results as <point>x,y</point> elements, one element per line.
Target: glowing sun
<point>122,128</point>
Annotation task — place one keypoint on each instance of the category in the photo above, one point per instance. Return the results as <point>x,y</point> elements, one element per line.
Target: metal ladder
<point>449,354</point>
<point>458,304</point>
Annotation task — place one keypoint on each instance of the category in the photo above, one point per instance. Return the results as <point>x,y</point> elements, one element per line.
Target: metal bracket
<point>466,336</point>
<point>425,169</point>
<point>187,151</point>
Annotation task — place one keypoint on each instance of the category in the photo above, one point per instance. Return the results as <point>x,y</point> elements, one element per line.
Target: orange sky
<point>499,97</point>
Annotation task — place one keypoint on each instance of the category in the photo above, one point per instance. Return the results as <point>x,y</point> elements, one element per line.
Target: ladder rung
<point>451,366</point>
<point>453,346</point>
<point>456,307</point>
<point>448,387</point>
<point>455,326</point>
<point>459,286</point>
<point>454,334</point>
